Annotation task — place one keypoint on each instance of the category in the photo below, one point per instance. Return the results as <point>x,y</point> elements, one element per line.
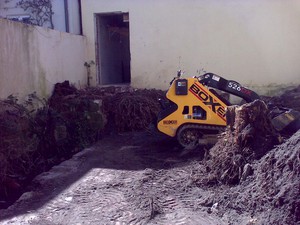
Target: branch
<point>41,11</point>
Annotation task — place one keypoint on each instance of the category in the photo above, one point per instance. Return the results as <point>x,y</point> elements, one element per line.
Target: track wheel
<point>188,136</point>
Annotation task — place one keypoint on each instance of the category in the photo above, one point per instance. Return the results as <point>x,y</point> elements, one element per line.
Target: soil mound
<point>289,99</point>
<point>249,136</point>
<point>271,195</point>
<point>17,147</point>
<point>277,183</point>
<point>126,108</point>
<point>32,140</point>
<point>134,110</point>
<point>253,170</point>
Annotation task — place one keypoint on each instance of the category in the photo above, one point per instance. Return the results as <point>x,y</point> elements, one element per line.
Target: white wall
<point>254,42</point>
<point>34,59</point>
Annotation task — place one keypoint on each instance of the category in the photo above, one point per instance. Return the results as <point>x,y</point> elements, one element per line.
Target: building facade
<point>144,42</point>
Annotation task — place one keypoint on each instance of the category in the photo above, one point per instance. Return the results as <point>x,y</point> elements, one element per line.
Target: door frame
<point>97,16</point>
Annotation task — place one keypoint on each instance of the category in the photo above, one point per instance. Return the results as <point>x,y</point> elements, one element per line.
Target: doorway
<point>113,48</point>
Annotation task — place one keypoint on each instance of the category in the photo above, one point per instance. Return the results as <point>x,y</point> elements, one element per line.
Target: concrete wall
<point>34,59</point>
<point>254,42</point>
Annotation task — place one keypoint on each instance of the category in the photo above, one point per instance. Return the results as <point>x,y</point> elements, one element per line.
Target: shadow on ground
<point>127,151</point>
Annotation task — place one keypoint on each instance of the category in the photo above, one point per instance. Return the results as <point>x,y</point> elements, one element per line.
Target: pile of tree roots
<point>289,99</point>
<point>17,147</point>
<point>270,193</point>
<point>249,136</point>
<point>135,110</point>
<point>38,133</point>
<point>255,170</point>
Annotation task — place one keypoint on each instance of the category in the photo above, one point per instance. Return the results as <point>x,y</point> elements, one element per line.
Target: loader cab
<point>191,103</point>
<point>196,106</point>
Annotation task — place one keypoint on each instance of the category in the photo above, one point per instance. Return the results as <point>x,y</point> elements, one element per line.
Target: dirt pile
<point>249,136</point>
<point>17,146</point>
<point>263,178</point>
<point>244,179</point>
<point>277,183</point>
<point>271,195</point>
<point>133,111</point>
<point>289,99</point>
<point>126,108</point>
<point>73,121</point>
<point>32,140</point>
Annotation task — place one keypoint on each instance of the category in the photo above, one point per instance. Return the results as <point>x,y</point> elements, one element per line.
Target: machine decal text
<point>169,122</point>
<point>208,100</point>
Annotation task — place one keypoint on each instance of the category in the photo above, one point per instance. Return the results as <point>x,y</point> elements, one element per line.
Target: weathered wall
<point>34,59</point>
<point>254,42</point>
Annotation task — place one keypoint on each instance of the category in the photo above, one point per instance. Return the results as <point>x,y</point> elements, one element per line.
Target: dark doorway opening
<point>113,48</point>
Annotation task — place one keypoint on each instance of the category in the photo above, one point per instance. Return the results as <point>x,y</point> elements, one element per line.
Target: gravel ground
<point>146,178</point>
<point>135,178</point>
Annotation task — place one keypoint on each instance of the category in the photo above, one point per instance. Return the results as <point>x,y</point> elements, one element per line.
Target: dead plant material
<point>272,195</point>
<point>72,120</point>
<point>249,137</point>
<point>17,146</point>
<point>289,99</point>
<point>134,110</point>
<point>125,108</point>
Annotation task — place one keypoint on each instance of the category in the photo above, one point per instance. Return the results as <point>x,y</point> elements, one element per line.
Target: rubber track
<point>203,127</point>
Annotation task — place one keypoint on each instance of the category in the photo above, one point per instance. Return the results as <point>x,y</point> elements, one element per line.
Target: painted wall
<point>59,17</point>
<point>34,59</point>
<point>254,42</point>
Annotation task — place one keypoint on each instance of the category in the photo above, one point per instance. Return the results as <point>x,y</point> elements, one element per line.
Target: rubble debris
<point>17,147</point>
<point>249,136</point>
<point>72,120</point>
<point>33,141</point>
<point>285,111</point>
<point>271,195</point>
<point>247,171</point>
<point>289,99</point>
<point>253,170</point>
<point>67,122</point>
<point>277,174</point>
<point>243,174</point>
<point>132,111</point>
<point>126,108</point>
